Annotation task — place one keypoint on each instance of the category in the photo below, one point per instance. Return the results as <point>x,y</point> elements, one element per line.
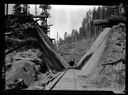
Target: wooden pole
<point>49,34</point>
<point>7,10</point>
<point>57,40</point>
<point>35,9</point>
<point>26,9</point>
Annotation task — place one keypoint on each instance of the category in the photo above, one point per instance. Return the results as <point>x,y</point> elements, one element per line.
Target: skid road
<point>67,82</point>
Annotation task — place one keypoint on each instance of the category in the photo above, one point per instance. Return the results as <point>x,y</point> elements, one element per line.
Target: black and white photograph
<point>59,47</point>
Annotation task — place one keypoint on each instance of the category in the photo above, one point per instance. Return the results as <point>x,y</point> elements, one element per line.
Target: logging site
<point>65,47</point>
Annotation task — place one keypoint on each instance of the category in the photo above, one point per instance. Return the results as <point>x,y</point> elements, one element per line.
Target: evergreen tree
<point>17,9</point>
<point>24,9</point>
<point>103,12</point>
<point>99,13</point>
<point>61,41</point>
<point>89,16</point>
<point>94,18</point>
<point>65,35</point>
<point>74,35</point>
<point>81,33</point>
<point>108,12</point>
<point>94,14</point>
<point>88,24</point>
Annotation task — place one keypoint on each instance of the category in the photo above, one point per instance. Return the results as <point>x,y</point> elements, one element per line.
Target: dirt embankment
<point>110,72</point>
<point>29,63</point>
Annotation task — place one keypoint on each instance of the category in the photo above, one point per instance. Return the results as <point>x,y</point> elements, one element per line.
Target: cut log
<point>40,16</point>
<point>100,22</point>
<point>114,20</point>
<point>29,16</point>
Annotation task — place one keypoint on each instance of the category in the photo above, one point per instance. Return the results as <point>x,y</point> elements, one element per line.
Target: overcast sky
<point>64,17</point>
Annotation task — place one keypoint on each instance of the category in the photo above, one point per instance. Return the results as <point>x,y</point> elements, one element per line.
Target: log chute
<point>53,59</point>
<point>93,55</point>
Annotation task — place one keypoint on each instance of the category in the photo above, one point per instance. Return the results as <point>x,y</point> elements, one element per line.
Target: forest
<point>88,30</point>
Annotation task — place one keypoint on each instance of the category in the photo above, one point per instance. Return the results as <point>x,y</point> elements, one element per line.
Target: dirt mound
<point>21,70</point>
<point>24,65</point>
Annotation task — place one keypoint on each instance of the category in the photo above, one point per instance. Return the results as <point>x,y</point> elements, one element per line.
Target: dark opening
<point>43,68</point>
<point>71,63</point>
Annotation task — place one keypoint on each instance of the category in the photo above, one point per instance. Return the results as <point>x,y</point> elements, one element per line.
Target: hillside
<point>109,73</point>
<point>75,50</point>
<point>30,56</point>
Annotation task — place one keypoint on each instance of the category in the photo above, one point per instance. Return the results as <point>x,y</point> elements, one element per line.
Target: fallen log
<point>117,19</point>
<point>100,22</point>
<point>27,16</point>
<point>114,20</point>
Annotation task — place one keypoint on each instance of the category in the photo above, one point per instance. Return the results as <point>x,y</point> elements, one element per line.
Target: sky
<point>64,18</point>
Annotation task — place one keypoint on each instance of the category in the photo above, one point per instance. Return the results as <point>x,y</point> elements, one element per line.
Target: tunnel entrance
<point>71,63</point>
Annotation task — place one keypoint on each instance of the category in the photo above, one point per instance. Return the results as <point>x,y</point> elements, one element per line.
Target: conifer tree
<point>17,9</point>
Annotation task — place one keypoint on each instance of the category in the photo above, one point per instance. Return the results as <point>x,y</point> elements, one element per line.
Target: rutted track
<point>65,81</point>
<point>52,84</point>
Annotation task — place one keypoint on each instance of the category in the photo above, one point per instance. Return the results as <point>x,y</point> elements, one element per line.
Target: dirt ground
<point>109,75</point>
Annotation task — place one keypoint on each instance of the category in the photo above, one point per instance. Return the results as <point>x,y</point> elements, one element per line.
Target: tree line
<point>87,30</point>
